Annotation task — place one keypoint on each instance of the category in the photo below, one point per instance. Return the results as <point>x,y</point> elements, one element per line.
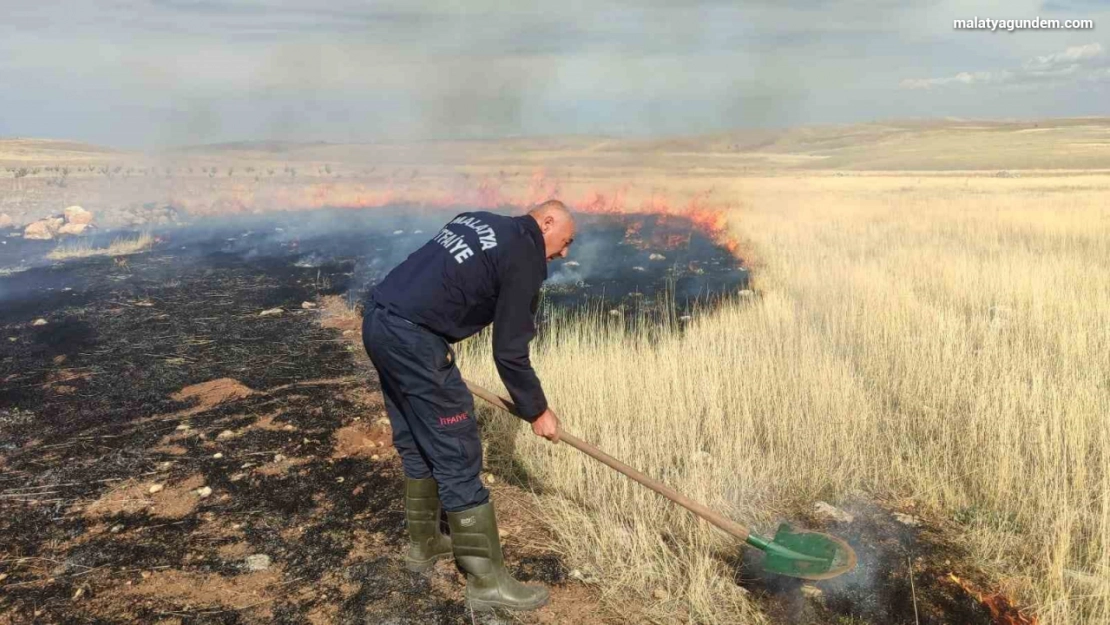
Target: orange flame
<point>1003,612</point>
<point>477,192</point>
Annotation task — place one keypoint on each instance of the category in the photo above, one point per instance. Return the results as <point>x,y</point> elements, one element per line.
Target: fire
<point>1002,611</point>
<point>632,234</point>
<point>483,192</point>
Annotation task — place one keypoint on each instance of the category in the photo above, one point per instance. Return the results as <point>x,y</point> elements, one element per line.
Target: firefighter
<point>481,268</point>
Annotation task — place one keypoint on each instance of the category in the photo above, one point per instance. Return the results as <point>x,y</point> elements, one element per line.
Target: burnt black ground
<point>201,323</point>
<point>126,334</point>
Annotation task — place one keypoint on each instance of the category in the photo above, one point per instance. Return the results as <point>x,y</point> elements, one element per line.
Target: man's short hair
<point>548,207</point>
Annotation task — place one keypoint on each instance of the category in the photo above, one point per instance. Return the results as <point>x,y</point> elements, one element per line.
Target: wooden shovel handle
<point>732,527</point>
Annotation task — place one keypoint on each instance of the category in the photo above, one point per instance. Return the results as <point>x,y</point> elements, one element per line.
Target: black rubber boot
<point>427,543</point>
<point>478,551</point>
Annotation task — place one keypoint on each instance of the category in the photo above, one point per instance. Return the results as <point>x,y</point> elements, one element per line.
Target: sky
<point>156,73</point>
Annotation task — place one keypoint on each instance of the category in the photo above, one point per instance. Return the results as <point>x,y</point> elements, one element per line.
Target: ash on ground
<point>630,266</point>
<point>169,454</point>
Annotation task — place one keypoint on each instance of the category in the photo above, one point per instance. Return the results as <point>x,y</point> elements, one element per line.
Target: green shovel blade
<point>804,554</point>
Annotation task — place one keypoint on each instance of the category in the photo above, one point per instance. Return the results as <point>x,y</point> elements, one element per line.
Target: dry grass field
<point>939,342</point>
<point>121,246</point>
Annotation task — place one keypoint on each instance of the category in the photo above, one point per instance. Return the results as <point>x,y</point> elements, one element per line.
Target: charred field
<point>169,453</point>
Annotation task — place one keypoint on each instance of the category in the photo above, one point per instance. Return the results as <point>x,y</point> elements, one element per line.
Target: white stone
<point>907,519</point>
<point>586,575</point>
<point>270,312</point>
<point>156,488</point>
<point>204,491</point>
<point>257,562</point>
<point>829,512</point>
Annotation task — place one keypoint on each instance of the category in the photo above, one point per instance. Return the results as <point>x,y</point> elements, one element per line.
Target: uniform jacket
<point>481,268</point>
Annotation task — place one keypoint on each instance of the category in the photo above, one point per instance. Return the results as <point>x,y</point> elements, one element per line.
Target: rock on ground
<point>73,228</point>
<point>828,512</point>
<point>77,215</point>
<point>43,229</point>
<point>257,562</point>
<point>906,519</point>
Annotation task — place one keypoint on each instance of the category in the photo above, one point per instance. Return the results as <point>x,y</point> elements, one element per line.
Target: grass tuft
<point>122,246</point>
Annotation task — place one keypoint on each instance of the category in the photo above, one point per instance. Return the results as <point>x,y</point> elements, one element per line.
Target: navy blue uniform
<point>481,268</point>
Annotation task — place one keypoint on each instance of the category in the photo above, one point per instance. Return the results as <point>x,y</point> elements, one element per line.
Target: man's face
<point>558,234</point>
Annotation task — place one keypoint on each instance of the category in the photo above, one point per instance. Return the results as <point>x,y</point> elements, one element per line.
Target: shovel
<point>793,553</point>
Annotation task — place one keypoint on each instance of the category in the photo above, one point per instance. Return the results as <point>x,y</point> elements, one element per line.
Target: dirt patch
<point>125,499</point>
<point>366,397</point>
<point>234,551</point>
<point>176,501</point>
<point>249,594</point>
<point>59,376</point>
<point>213,392</point>
<point>364,544</point>
<point>573,603</point>
<point>173,501</point>
<point>361,440</point>
<point>267,422</point>
<point>281,467</point>
<point>169,450</point>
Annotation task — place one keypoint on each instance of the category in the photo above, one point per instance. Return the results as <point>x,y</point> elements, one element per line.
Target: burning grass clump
<point>121,246</point>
